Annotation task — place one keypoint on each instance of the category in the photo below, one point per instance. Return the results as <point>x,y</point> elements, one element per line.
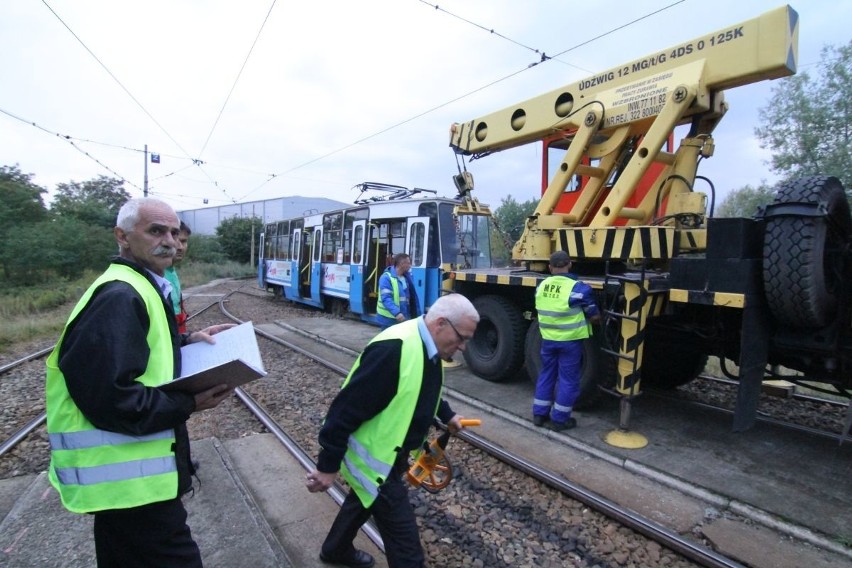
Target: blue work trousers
<point>558,383</point>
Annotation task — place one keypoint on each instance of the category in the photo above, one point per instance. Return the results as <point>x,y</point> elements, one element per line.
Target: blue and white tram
<point>333,260</point>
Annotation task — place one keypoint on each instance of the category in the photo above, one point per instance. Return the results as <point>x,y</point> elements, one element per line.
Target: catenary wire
<point>236,79</point>
<point>273,176</point>
<point>134,99</point>
<point>460,97</point>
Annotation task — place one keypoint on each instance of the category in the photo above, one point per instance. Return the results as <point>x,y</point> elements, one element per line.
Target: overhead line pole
<point>145,185</point>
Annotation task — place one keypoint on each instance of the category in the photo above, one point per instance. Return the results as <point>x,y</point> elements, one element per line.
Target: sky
<point>262,99</point>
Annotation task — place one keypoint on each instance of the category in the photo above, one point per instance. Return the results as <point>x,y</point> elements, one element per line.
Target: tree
<point>21,205</point>
<point>512,216</point>
<point>235,237</point>
<point>94,202</point>
<point>744,202</point>
<point>21,200</point>
<point>72,247</point>
<point>807,123</point>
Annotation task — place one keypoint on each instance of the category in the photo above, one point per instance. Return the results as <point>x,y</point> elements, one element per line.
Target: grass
<point>39,312</point>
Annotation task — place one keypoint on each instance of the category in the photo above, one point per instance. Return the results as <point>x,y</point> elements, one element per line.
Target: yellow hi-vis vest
<point>557,320</point>
<point>96,470</point>
<point>372,448</point>
<point>380,307</point>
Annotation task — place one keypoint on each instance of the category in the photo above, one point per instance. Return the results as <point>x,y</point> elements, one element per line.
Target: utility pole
<point>145,190</point>
<point>251,255</point>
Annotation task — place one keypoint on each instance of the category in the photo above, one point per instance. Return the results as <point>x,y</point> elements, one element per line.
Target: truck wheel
<point>496,352</point>
<point>668,358</point>
<point>594,370</point>
<point>802,255</point>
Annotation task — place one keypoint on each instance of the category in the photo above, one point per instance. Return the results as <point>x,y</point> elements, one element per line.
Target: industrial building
<point>205,220</point>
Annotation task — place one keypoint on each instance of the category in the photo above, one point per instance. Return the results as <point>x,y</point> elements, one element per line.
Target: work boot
<point>560,426</point>
<point>357,559</point>
<point>540,419</point>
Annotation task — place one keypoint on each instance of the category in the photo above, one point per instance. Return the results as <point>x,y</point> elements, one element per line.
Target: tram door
<point>357,279</point>
<point>261,262</point>
<point>291,291</point>
<point>416,242</point>
<point>315,290</point>
<point>304,273</point>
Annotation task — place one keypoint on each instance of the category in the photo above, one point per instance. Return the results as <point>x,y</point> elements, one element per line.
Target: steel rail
<point>9,366</point>
<point>630,519</point>
<point>21,434</point>
<point>336,491</point>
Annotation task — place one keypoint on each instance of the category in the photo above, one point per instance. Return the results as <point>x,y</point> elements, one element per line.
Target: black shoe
<point>540,419</point>
<point>358,559</point>
<point>560,426</point>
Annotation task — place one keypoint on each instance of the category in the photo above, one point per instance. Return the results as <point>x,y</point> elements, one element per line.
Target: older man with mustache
<point>119,445</point>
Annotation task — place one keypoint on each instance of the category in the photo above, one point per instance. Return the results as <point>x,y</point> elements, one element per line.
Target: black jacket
<point>369,391</point>
<point>102,353</point>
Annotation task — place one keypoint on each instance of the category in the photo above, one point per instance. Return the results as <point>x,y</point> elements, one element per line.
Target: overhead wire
<point>110,73</point>
<point>70,140</point>
<point>622,26</point>
<point>541,52</point>
<point>387,129</point>
<point>448,102</point>
<point>236,79</point>
<point>196,161</point>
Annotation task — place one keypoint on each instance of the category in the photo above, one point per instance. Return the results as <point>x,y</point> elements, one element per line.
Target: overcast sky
<point>258,99</point>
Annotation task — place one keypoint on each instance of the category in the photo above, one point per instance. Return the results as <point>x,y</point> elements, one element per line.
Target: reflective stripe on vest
<point>373,448</point>
<point>93,469</point>
<point>115,472</point>
<point>380,307</point>
<point>557,319</point>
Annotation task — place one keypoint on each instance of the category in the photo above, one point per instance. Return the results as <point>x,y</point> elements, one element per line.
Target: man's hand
<point>400,317</point>
<point>207,333</point>
<point>317,481</point>
<point>454,425</point>
<point>212,397</point>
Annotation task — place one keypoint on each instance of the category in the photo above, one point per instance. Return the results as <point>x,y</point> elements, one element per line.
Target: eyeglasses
<point>462,338</point>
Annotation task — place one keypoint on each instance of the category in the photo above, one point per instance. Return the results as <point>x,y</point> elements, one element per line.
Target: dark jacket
<point>104,350</point>
<point>369,391</point>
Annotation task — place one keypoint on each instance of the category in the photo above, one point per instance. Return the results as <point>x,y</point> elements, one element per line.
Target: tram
<point>333,260</point>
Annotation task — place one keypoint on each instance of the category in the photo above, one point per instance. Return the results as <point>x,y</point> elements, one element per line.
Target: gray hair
<point>452,307</point>
<point>128,215</point>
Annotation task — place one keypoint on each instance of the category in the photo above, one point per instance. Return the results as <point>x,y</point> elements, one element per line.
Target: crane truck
<point>675,284</point>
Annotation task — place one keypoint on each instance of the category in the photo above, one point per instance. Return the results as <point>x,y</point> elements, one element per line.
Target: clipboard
<point>233,360</point>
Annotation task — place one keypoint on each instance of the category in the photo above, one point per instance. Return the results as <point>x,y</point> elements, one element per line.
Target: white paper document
<point>234,360</point>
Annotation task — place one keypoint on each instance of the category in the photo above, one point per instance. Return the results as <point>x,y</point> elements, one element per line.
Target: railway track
<point>689,549</point>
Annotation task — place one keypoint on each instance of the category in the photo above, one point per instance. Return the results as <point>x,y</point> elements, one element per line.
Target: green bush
<point>62,248</point>
<point>204,249</point>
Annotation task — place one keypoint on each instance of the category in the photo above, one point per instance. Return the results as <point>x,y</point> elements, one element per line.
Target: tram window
<point>282,240</point>
<point>269,244</point>
<point>416,247</point>
<point>328,248</point>
<point>347,246</point>
<point>294,250</point>
<point>331,241</point>
<point>398,229</point>
<point>284,247</point>
<point>357,250</point>
<point>317,245</point>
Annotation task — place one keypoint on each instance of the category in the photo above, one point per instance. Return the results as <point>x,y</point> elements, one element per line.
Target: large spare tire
<point>807,234</point>
<point>496,351</point>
